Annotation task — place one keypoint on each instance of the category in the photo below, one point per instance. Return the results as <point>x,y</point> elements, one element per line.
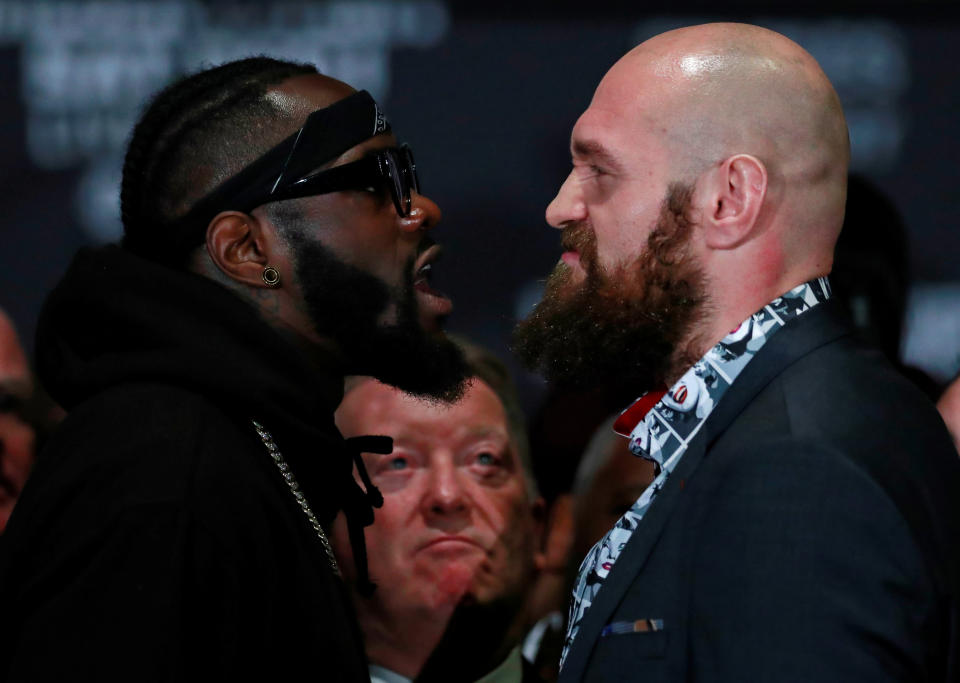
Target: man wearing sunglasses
<point>275,239</point>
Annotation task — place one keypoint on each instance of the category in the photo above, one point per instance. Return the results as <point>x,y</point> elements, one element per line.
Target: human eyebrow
<point>488,433</point>
<point>591,149</point>
<point>372,152</point>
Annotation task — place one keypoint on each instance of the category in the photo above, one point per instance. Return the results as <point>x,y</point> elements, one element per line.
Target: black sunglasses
<point>391,166</point>
<point>286,170</point>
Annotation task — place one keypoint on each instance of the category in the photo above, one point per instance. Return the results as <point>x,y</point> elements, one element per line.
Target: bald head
<point>736,88</point>
<point>719,90</point>
<point>725,142</point>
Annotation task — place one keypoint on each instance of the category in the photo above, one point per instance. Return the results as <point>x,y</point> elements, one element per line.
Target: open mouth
<point>423,271</point>
<point>432,304</point>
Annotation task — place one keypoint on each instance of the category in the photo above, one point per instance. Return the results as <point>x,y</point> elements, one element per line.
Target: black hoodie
<point>156,538</point>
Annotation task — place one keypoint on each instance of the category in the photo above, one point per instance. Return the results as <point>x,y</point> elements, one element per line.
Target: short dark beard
<point>624,327</point>
<point>345,304</point>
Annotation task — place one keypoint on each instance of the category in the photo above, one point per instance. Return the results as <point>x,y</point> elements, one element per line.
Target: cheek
<point>508,517</point>
<point>622,233</point>
<point>507,570</point>
<point>17,447</point>
<point>372,244</point>
<point>395,531</point>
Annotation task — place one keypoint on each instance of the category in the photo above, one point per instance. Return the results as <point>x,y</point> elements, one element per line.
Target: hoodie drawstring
<point>359,504</point>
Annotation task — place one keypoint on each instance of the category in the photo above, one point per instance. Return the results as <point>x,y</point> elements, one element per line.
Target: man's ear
<point>237,245</point>
<point>734,197</point>
<point>541,535</point>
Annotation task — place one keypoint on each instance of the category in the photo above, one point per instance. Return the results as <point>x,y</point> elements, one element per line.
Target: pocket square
<point>615,628</point>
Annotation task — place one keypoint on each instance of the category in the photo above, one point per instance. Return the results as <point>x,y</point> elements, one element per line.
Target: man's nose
<point>568,206</point>
<point>446,496</point>
<point>424,213</point>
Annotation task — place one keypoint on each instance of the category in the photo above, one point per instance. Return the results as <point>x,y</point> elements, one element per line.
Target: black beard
<point>345,303</point>
<point>619,328</point>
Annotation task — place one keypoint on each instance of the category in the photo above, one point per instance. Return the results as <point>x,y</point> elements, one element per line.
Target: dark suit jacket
<point>810,533</point>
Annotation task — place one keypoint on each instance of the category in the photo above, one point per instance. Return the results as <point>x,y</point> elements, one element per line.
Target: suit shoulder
<point>847,382</point>
<point>848,399</point>
<point>842,414</point>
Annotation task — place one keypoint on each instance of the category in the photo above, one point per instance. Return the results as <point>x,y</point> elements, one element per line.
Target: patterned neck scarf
<point>661,424</point>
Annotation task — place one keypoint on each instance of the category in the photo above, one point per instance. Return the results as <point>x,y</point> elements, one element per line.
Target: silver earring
<point>271,276</point>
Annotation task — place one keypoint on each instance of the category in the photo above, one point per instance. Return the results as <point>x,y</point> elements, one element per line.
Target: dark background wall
<point>487,97</point>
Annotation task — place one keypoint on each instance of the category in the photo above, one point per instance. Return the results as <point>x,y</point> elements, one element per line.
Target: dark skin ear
<point>737,190</point>
<point>238,246</point>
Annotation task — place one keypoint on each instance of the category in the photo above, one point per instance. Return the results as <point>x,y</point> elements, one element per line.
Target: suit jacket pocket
<point>628,657</point>
<point>643,637</point>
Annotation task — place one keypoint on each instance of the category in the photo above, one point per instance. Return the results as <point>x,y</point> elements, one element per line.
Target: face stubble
<point>629,326</point>
<point>346,304</point>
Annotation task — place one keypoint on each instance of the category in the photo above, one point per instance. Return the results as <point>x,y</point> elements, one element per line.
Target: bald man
<point>802,524</point>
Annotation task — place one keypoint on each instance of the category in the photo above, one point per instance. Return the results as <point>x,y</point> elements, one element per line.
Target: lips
<point>571,258</point>
<point>579,244</point>
<point>452,542</point>
<point>435,301</point>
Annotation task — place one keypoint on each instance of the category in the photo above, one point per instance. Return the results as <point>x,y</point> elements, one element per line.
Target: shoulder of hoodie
<point>154,438</point>
<point>150,469</point>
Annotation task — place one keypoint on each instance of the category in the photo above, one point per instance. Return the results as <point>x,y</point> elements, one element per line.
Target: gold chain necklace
<point>288,477</point>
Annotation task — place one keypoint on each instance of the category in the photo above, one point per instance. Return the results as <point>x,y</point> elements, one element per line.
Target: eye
<point>397,463</point>
<point>487,459</point>
<point>491,463</point>
<point>378,193</point>
<point>589,170</point>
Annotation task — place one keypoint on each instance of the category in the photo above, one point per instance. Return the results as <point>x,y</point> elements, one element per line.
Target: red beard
<point>620,327</point>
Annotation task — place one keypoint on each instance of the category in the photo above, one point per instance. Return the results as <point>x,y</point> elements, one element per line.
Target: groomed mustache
<point>576,237</point>
<point>581,238</point>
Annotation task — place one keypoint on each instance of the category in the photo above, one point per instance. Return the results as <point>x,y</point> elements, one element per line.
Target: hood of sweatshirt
<point>116,318</point>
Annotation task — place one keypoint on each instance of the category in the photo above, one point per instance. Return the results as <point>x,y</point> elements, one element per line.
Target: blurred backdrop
<point>487,96</point>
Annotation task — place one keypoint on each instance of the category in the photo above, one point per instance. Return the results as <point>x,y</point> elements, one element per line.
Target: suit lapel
<point>800,336</point>
<point>632,558</point>
<point>813,329</point>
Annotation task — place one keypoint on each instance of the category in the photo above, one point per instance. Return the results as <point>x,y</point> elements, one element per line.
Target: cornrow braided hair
<point>195,134</point>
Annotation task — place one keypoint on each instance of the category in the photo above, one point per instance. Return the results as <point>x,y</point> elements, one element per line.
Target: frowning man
<point>803,522</point>
<point>456,545</point>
